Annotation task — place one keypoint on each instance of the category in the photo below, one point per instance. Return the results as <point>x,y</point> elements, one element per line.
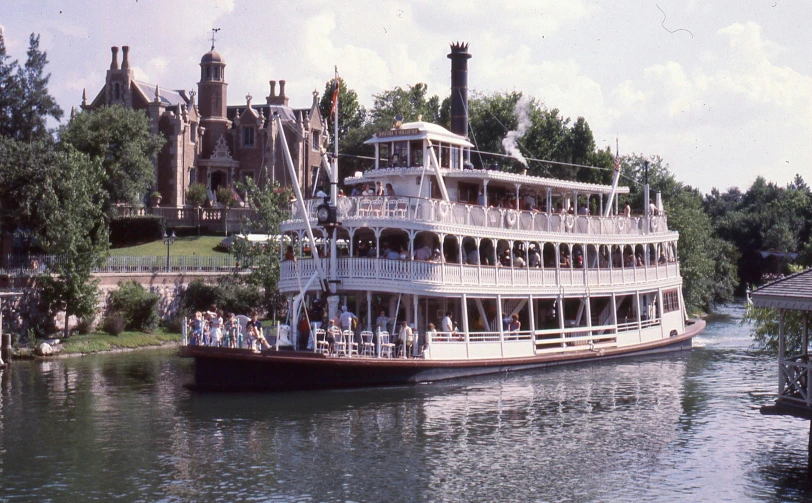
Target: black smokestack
<point>459,88</point>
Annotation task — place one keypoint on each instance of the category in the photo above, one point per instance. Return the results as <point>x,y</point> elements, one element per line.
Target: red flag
<point>335,96</point>
<point>617,163</point>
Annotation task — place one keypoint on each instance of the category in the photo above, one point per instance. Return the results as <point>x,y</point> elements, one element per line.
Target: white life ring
<point>654,222</point>
<point>443,209</point>
<point>569,221</point>
<point>511,217</point>
<point>344,204</point>
<point>621,223</point>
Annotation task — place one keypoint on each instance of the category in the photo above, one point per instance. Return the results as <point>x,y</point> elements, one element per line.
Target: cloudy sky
<point>721,90</point>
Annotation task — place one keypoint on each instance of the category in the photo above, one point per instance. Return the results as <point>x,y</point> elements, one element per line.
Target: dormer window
<point>248,137</point>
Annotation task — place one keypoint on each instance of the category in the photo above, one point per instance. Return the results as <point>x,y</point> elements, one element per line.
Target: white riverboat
<point>516,267</point>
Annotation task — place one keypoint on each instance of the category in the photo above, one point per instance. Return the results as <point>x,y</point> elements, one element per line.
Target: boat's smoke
<point>511,141</point>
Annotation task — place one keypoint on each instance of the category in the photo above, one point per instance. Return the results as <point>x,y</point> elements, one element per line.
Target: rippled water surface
<point>676,428</point>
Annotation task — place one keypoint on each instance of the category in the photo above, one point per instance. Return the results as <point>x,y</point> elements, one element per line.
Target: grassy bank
<point>100,341</point>
<point>183,246</point>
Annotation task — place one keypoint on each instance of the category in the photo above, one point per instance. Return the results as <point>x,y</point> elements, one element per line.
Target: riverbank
<point>101,342</point>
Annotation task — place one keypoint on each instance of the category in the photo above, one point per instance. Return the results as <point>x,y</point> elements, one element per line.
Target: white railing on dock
<point>461,214</point>
<point>795,383</point>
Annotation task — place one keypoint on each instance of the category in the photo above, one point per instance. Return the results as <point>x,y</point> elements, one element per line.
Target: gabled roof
<point>268,110</point>
<point>168,97</point>
<point>792,292</point>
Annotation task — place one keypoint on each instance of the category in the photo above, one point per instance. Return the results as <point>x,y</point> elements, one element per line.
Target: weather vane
<point>213,31</point>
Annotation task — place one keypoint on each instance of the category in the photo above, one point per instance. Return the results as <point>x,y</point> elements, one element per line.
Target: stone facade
<point>211,142</point>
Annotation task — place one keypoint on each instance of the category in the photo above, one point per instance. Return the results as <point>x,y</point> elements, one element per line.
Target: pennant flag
<point>335,94</point>
<point>617,155</point>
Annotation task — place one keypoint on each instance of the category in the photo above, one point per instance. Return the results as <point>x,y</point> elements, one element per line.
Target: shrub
<point>138,306</point>
<point>113,323</point>
<point>85,325</point>
<point>128,231</point>
<point>175,323</point>
<point>199,296</point>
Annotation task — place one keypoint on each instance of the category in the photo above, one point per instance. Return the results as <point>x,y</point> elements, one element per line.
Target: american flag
<point>335,94</point>
<point>617,155</point>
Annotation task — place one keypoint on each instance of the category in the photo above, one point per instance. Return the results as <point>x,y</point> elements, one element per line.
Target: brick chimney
<point>269,100</point>
<point>114,62</point>
<point>282,97</point>
<point>125,60</point>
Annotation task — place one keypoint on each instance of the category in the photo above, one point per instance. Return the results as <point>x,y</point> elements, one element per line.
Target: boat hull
<point>241,370</point>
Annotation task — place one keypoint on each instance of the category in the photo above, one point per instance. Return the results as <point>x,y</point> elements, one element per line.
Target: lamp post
<point>168,241</point>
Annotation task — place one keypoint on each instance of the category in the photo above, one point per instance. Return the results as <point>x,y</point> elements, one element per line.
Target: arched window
<point>216,73</point>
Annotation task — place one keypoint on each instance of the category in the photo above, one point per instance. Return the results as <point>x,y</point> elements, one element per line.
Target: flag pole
<point>334,189</point>
<point>615,178</point>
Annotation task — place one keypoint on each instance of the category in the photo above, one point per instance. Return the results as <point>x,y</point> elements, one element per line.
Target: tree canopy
<point>121,139</point>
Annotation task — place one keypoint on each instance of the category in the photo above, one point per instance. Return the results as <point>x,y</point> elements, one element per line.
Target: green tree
<point>225,196</point>
<point>10,92</point>
<point>120,137</point>
<point>351,114</point>
<point>411,103</point>
<point>197,195</point>
<point>57,193</point>
<point>272,207</point>
<point>764,328</point>
<point>37,104</point>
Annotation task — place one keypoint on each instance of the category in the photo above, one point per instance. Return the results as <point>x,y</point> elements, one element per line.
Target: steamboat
<point>491,271</point>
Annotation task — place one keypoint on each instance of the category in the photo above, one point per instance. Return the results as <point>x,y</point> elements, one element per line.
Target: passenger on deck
<point>379,188</point>
<point>515,325</point>
<point>196,326</point>
<point>382,321</point>
<point>347,318</point>
<point>289,255</point>
<point>423,253</point>
<point>473,257</point>
<point>662,260</point>
<point>254,331</point>
<point>405,337</point>
<point>480,200</point>
<point>565,259</point>
<point>447,325</point>
<point>390,191</point>
<point>403,254</point>
<point>231,328</point>
<point>437,256</point>
<point>628,211</point>
<point>518,260</point>
<point>367,191</point>
<point>431,333</point>
<point>535,258</point>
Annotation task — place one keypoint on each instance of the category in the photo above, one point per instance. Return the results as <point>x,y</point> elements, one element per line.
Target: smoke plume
<point>511,141</point>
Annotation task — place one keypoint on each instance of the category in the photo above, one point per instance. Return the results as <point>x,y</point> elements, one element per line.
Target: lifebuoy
<point>344,205</point>
<point>511,217</point>
<point>569,221</point>
<point>492,217</point>
<point>654,222</point>
<point>444,208</point>
<point>621,223</point>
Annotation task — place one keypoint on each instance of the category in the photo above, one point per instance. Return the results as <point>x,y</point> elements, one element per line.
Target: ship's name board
<point>398,132</point>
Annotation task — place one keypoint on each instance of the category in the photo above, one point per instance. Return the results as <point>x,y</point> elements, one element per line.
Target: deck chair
<point>387,348</point>
<point>376,210</point>
<point>400,207</point>
<point>322,346</point>
<point>340,345</point>
<point>367,345</point>
<point>352,344</point>
<point>364,206</point>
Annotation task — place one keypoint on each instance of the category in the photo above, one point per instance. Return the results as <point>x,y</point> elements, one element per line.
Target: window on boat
<point>455,157</point>
<point>626,312</point>
<point>445,155</point>
<point>546,313</point>
<point>468,192</point>
<point>575,314</point>
<point>600,309</point>
<point>649,307</point>
<point>416,152</point>
<point>400,154</point>
<point>670,301</point>
<point>383,155</point>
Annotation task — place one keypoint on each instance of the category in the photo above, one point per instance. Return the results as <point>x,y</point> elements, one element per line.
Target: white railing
<point>434,210</point>
<point>796,385</point>
<point>575,338</point>
<point>414,271</point>
<point>40,264</point>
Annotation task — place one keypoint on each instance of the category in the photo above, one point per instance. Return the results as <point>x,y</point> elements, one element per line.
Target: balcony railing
<point>17,265</point>
<point>368,270</point>
<point>436,211</point>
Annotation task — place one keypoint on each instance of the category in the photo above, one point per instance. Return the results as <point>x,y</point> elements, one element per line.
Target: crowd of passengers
<point>218,329</point>
<point>504,258</point>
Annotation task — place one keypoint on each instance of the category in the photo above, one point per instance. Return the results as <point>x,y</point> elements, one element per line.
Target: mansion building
<point>211,142</point>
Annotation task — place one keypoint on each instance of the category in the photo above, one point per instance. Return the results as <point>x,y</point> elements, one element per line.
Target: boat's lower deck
<point>229,369</point>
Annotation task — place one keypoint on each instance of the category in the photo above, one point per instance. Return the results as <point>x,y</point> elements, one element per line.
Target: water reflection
<point>682,427</point>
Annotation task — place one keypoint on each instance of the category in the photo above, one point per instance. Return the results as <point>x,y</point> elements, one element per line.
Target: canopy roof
<point>419,131</point>
<point>792,292</point>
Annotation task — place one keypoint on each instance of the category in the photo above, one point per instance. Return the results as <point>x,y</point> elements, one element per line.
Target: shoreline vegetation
<point>101,342</point>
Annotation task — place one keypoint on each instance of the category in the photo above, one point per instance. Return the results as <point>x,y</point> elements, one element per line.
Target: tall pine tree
<point>37,104</point>
<point>10,91</point>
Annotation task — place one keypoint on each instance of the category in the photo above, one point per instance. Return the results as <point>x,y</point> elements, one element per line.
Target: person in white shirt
<point>405,336</point>
<point>447,325</point>
<point>346,318</point>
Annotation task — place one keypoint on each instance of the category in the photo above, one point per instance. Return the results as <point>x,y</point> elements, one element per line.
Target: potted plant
<point>155,198</point>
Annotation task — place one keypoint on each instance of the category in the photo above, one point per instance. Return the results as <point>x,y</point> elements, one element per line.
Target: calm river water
<point>678,428</point>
